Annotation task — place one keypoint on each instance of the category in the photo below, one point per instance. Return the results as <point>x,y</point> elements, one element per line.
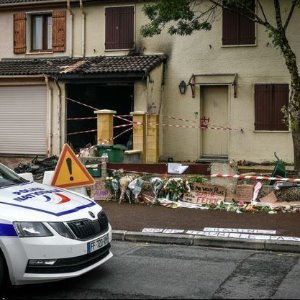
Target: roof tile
<point>88,65</point>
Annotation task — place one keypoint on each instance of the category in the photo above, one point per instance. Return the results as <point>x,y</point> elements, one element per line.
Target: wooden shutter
<point>269,99</point>
<point>263,106</point>
<point>126,27</point>
<point>280,99</point>
<point>19,33</point>
<point>236,28</point>
<point>247,29</point>
<point>230,27</point>
<point>58,30</point>
<point>119,27</point>
<point>111,28</point>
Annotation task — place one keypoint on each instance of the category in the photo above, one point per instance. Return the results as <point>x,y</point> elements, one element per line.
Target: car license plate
<point>97,244</point>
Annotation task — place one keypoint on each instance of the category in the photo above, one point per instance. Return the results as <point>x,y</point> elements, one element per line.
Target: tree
<point>183,17</point>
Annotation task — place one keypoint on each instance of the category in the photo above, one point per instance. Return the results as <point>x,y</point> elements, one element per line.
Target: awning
<point>213,79</point>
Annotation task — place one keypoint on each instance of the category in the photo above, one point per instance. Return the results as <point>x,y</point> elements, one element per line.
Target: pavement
<point>139,222</point>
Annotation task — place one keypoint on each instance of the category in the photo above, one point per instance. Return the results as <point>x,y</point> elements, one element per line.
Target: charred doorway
<point>81,119</point>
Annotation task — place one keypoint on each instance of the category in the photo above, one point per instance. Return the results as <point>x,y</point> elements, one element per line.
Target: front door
<point>214,116</point>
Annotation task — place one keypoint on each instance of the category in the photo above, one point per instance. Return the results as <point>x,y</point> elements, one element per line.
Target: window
<point>119,27</point>
<point>41,32</point>
<point>269,100</point>
<point>47,32</point>
<point>237,28</point>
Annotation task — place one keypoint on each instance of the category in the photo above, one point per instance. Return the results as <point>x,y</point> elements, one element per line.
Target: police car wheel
<point>2,272</point>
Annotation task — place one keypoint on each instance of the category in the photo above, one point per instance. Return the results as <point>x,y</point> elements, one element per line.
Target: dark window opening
<point>100,96</point>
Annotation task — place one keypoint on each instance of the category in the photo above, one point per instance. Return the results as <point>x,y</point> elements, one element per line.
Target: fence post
<point>105,132</point>
<point>139,133</point>
<point>104,160</point>
<point>152,138</point>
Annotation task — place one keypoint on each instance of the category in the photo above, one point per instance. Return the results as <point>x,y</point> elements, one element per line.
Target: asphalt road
<point>156,271</point>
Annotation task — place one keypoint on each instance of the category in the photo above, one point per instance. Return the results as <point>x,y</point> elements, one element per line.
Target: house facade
<point>63,60</point>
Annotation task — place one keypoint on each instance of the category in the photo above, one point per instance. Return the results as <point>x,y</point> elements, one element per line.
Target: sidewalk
<point>210,228</point>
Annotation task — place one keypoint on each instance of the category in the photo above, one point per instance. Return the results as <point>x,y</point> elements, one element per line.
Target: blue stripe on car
<point>7,230</point>
<point>70,211</point>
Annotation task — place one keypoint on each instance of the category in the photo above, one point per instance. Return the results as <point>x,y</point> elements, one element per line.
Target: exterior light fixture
<point>182,87</point>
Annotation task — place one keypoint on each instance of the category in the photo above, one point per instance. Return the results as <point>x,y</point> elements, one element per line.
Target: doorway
<point>214,114</point>
<point>81,117</point>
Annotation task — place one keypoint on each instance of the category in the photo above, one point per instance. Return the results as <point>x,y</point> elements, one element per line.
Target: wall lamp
<point>182,87</point>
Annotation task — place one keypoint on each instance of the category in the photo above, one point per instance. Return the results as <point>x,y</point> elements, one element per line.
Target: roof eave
<point>106,76</point>
<point>56,3</point>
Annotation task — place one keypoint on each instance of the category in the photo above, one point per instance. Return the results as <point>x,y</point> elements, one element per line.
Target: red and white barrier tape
<point>111,139</point>
<point>126,116</point>
<point>120,126</point>
<point>185,120</point>
<point>255,177</point>
<point>82,104</point>
<point>121,117</point>
<point>118,117</point>
<point>209,126</point>
<point>190,126</point>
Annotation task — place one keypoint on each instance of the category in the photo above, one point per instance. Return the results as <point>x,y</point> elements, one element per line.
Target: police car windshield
<point>9,177</point>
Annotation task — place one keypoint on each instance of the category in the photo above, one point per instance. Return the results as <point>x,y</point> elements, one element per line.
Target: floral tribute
<point>169,191</point>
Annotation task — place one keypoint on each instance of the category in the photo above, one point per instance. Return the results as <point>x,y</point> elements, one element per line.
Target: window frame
<point>23,27</point>
<point>45,32</point>
<point>130,32</point>
<point>270,119</point>
<point>240,19</point>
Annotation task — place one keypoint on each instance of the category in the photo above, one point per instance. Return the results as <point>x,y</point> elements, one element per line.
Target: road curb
<point>204,241</point>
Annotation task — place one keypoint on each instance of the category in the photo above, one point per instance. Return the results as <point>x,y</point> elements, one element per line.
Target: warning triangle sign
<point>70,172</point>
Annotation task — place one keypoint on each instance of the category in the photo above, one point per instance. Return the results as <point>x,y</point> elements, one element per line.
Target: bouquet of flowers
<point>174,188</point>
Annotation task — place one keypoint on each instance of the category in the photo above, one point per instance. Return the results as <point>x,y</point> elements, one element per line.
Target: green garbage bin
<point>94,170</point>
<point>115,153</point>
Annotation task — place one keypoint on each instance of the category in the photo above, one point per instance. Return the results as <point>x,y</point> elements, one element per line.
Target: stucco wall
<point>203,53</point>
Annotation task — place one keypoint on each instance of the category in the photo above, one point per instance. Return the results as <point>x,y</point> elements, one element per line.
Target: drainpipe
<point>59,114</point>
<point>82,29</point>
<point>70,28</point>
<point>146,119</point>
<point>49,115</point>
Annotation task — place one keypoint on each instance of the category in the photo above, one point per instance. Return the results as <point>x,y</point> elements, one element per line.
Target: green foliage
<point>165,11</point>
<point>196,179</point>
<point>288,118</point>
<point>184,15</point>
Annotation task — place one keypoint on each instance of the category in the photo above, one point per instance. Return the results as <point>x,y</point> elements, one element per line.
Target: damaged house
<point>217,97</point>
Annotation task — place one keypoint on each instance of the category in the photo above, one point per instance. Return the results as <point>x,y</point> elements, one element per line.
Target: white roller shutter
<point>23,120</point>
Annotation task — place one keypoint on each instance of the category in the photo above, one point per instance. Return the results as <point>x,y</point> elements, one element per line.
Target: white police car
<point>48,233</point>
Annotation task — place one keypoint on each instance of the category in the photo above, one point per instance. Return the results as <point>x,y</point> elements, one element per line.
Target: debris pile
<point>37,167</point>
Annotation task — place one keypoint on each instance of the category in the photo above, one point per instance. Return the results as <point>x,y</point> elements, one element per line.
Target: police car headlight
<point>32,229</point>
<point>61,229</point>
